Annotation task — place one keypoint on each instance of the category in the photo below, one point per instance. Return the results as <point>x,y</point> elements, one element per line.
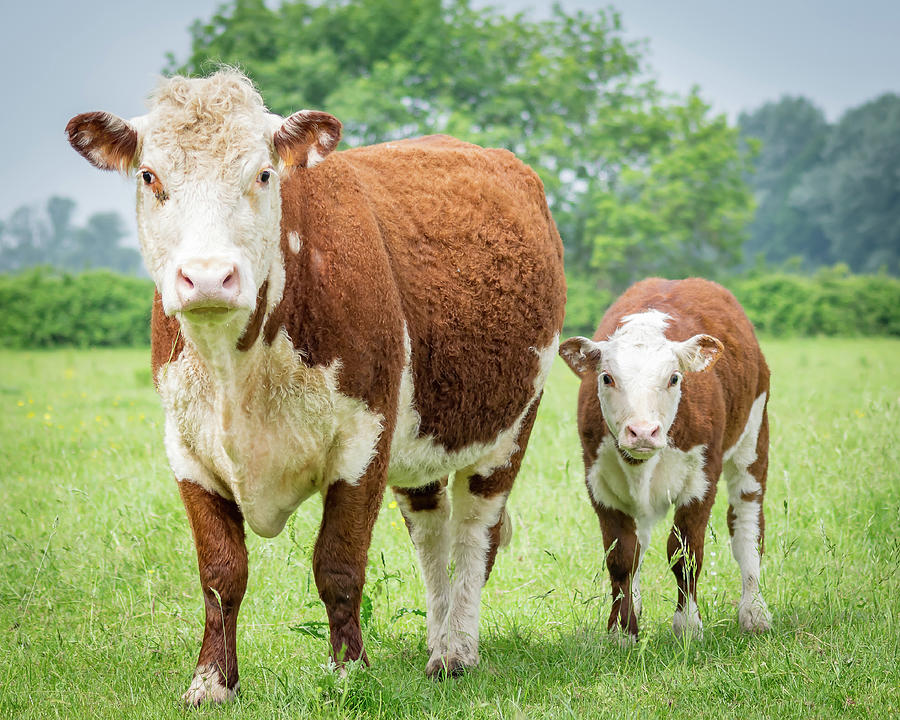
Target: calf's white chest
<point>272,438</point>
<point>646,491</point>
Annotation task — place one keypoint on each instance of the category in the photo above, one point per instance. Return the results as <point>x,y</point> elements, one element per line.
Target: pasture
<point>101,614</point>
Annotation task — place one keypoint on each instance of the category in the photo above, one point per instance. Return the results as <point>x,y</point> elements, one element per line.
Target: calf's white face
<point>208,159</point>
<point>639,375</point>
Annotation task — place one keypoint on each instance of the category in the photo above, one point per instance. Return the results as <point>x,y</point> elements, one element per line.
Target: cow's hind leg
<point>218,528</point>
<point>478,527</point>
<point>426,511</point>
<point>745,472</point>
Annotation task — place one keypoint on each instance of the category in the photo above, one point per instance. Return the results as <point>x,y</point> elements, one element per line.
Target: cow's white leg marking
<point>753,614</point>
<point>643,536</point>
<point>688,620</point>
<point>207,687</point>
<point>456,646</point>
<point>429,531</point>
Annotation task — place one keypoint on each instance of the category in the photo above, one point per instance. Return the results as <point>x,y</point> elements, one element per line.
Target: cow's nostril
<point>185,279</point>
<point>229,281</point>
<point>655,433</point>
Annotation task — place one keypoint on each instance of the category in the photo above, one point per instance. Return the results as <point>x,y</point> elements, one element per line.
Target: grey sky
<point>65,58</point>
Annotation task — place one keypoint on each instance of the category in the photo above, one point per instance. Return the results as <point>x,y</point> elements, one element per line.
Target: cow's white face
<point>639,377</point>
<point>208,160</point>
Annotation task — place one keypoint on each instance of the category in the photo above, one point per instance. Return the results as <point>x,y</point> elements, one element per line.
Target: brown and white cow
<point>673,394</point>
<point>385,315</point>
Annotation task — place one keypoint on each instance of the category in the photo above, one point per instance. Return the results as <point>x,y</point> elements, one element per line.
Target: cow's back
<point>477,265</point>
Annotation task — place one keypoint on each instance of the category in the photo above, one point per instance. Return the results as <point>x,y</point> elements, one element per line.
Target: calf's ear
<point>104,140</point>
<point>698,353</point>
<point>306,137</point>
<point>581,354</point>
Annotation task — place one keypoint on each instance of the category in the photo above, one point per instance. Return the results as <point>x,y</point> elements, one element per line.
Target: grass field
<point>101,614</point>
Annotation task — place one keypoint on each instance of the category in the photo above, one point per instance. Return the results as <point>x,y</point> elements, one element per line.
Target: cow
<point>335,323</point>
<point>674,389</point>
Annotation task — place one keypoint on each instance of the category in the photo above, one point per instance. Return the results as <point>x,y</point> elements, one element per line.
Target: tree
<point>855,190</point>
<point>565,94</point>
<point>30,237</point>
<point>791,134</point>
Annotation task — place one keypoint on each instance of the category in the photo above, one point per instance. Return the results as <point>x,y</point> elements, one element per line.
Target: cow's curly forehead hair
<point>219,114</point>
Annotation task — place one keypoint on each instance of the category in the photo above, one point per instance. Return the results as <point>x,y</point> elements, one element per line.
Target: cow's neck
<point>217,349</point>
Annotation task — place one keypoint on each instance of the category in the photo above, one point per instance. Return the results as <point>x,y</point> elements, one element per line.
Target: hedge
<point>43,308</point>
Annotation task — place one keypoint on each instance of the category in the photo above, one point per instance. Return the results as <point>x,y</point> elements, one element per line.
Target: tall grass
<point>101,614</point>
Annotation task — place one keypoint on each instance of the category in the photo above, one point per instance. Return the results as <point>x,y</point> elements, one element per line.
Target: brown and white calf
<point>673,394</point>
<point>330,325</point>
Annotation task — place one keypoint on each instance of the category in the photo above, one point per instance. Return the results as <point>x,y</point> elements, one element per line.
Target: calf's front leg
<point>218,529</point>
<point>623,556</point>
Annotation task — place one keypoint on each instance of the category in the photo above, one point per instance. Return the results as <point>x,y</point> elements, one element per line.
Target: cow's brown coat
<point>456,244</point>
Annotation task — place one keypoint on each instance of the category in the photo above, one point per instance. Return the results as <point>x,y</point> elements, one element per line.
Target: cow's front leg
<point>426,511</point>
<point>339,559</point>
<point>685,552</point>
<point>623,557</point>
<point>218,529</point>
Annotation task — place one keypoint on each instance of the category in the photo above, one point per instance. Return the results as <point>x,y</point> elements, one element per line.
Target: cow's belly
<point>647,491</point>
<point>417,459</point>
<point>270,444</point>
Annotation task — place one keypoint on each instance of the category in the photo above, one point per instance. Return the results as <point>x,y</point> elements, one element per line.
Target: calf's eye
<point>607,379</point>
<point>263,177</point>
<point>147,177</point>
<point>673,381</point>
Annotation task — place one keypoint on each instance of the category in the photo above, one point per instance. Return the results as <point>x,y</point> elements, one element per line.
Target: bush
<point>831,302</point>
<point>43,308</point>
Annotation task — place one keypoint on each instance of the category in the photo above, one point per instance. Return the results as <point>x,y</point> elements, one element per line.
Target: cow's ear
<point>104,140</point>
<point>698,353</point>
<point>581,354</point>
<point>306,137</point>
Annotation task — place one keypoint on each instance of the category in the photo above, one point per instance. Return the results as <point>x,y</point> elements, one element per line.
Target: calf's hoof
<point>622,638</point>
<point>687,623</point>
<point>754,616</point>
<point>207,687</point>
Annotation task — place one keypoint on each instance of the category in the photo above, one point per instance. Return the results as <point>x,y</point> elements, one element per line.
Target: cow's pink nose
<point>207,283</point>
<point>643,434</point>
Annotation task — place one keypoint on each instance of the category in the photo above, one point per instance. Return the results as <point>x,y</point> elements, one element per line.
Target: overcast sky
<point>63,58</point>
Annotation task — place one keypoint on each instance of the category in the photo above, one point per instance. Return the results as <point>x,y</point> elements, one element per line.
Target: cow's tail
<point>506,529</point>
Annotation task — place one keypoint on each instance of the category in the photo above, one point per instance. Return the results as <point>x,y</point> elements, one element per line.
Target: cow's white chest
<point>270,440</point>
<point>646,491</point>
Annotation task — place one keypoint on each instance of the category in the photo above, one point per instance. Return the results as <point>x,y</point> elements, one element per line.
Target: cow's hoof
<point>622,638</point>
<point>207,687</point>
<point>448,666</point>
<point>687,624</point>
<point>754,616</point>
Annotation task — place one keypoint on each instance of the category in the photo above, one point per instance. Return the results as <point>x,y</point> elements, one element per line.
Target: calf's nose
<point>642,433</point>
<point>207,282</point>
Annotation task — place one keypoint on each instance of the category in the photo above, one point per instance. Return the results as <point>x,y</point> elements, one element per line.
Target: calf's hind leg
<point>745,473</point>
<point>218,529</point>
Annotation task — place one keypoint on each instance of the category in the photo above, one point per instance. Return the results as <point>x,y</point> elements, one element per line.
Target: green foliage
<point>41,308</point>
<point>636,181</point>
<point>30,237</point>
<point>831,302</point>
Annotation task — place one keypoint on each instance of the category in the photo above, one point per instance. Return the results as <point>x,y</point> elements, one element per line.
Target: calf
<point>664,409</point>
<point>330,325</point>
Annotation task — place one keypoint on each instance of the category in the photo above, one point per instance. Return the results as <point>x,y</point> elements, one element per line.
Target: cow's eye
<point>673,381</point>
<point>263,177</point>
<point>148,177</point>
<point>607,379</point>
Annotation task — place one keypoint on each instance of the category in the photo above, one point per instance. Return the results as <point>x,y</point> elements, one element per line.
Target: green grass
<point>101,615</point>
